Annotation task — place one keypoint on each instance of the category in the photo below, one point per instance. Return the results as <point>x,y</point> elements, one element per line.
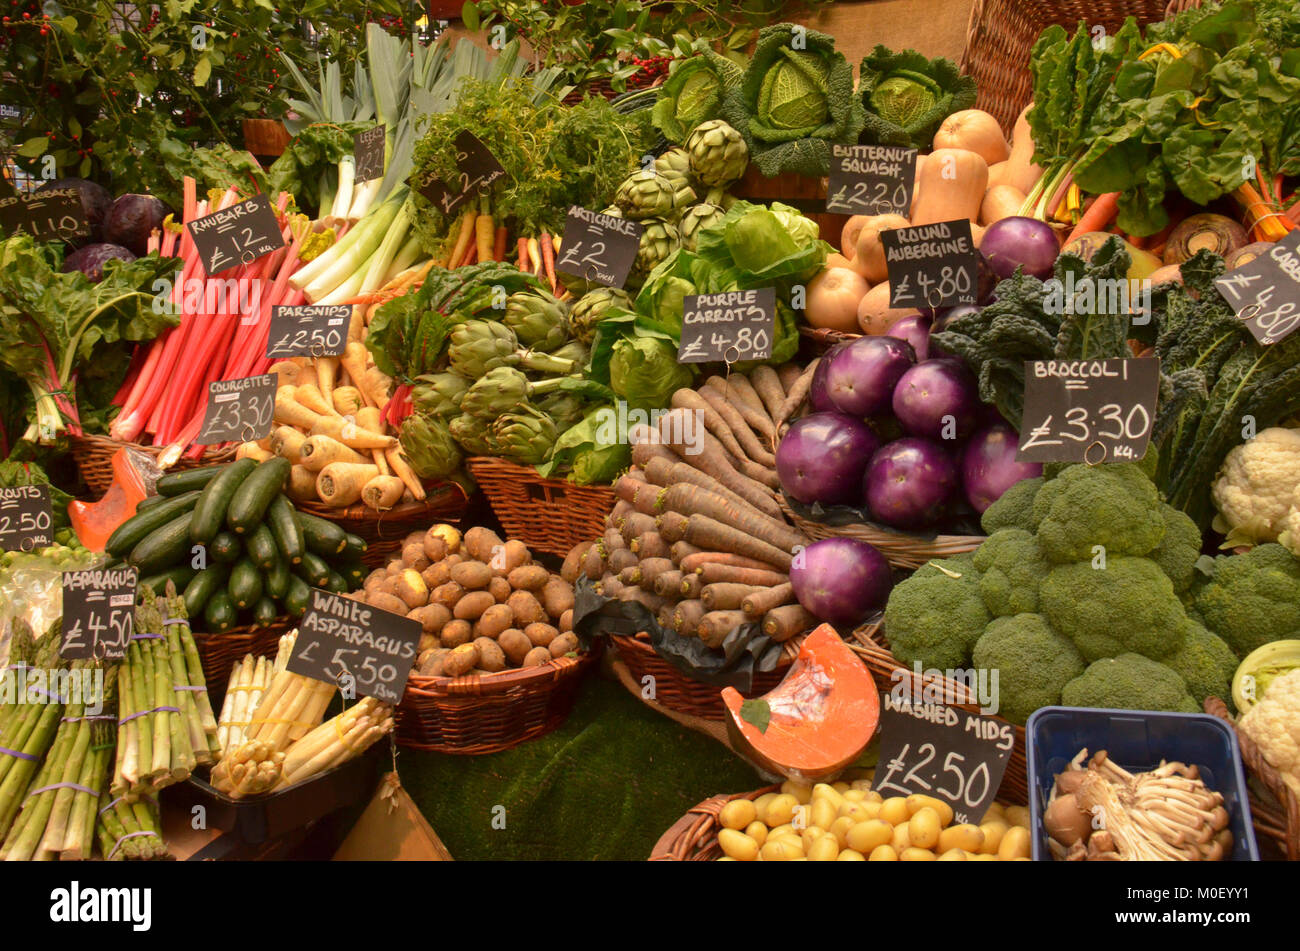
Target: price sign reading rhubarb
<point>930,748</point>
<point>728,327</point>
<point>368,153</point>
<point>48,214</point>
<point>98,613</point>
<point>345,642</point>
<point>239,410</point>
<point>931,266</point>
<point>236,235</point>
<point>25,520</point>
<point>476,169</point>
<point>598,248</point>
<point>1091,411</point>
<point>1266,292</point>
<point>308,330</point>
<point>871,180</point>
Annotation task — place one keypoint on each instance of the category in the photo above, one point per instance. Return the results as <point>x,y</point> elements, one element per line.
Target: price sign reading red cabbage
<point>1266,292</point>
<point>476,169</point>
<point>931,266</point>
<point>598,248</point>
<point>345,642</point>
<point>728,327</point>
<point>236,235</point>
<point>308,330</point>
<point>50,214</point>
<point>239,410</point>
<point>25,520</point>
<point>368,154</point>
<point>1090,411</point>
<point>98,613</point>
<point>871,180</point>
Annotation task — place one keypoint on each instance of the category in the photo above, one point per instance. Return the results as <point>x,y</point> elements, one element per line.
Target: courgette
<point>131,532</point>
<point>249,503</point>
<point>219,613</point>
<point>148,502</point>
<point>322,536</point>
<point>314,570</point>
<point>355,546</point>
<point>179,576</point>
<point>163,548</point>
<point>245,585</point>
<point>297,597</point>
<point>261,547</point>
<point>210,512</point>
<point>353,572</point>
<point>285,529</point>
<point>277,578</point>
<point>337,583</point>
<point>225,548</point>
<point>264,612</point>
<point>205,584</point>
<point>187,480</point>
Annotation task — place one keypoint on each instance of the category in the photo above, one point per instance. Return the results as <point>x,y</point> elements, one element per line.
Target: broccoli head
<point>1127,607</point>
<point>937,614</point>
<point>1014,509</point>
<point>1033,663</point>
<point>1252,599</point>
<point>1206,663</point>
<point>1116,507</point>
<point>1178,550</point>
<point>1011,567</point>
<point>1129,682</point>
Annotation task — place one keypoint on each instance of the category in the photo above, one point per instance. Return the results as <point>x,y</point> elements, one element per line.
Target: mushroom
<point>1065,821</point>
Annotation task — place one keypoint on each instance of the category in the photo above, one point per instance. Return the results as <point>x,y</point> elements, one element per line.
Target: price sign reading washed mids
<point>598,248</point>
<point>308,330</point>
<point>728,327</point>
<point>1091,411</point>
<point>871,180</point>
<point>53,214</point>
<point>476,169</point>
<point>98,613</point>
<point>25,520</point>
<point>340,638</point>
<point>931,266</point>
<point>239,410</point>
<point>236,235</point>
<point>941,751</point>
<point>368,154</point>
<point>1266,292</point>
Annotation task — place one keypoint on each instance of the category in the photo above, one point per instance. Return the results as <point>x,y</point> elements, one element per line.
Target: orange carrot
<point>1097,217</point>
<point>697,560</point>
<point>715,573</point>
<point>484,233</point>
<point>523,254</point>
<point>462,239</point>
<point>499,245</point>
<point>548,259</point>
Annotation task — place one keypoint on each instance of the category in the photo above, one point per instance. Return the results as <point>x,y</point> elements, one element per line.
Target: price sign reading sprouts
<point>239,410</point>
<point>25,520</point>
<point>1090,411</point>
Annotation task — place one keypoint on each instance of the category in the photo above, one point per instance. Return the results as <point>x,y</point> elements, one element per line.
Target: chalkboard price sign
<point>48,214</point>
<point>98,613</point>
<point>476,169</point>
<point>728,327</point>
<point>368,153</point>
<point>236,235</point>
<point>598,248</point>
<point>931,266</point>
<point>345,642</point>
<point>25,520</point>
<point>308,330</point>
<point>1266,292</point>
<point>239,410</point>
<point>1090,411</point>
<point>871,180</point>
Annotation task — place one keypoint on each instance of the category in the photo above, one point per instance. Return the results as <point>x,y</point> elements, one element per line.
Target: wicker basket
<point>219,653</point>
<point>487,713</point>
<point>1278,820</point>
<point>265,137</point>
<point>94,458</point>
<point>384,531</point>
<point>547,515</point>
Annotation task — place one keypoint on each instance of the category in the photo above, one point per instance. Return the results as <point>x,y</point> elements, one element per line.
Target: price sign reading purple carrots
<point>476,169</point>
<point>98,613</point>
<point>368,153</point>
<point>1091,411</point>
<point>49,214</point>
<point>25,520</point>
<point>597,247</point>
<point>236,235</point>
<point>341,641</point>
<point>1266,292</point>
<point>239,410</point>
<point>728,328</point>
<point>931,266</point>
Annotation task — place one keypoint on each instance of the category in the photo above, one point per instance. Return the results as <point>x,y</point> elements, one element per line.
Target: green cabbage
<point>593,450</point>
<point>693,93</point>
<point>644,371</point>
<point>907,96</point>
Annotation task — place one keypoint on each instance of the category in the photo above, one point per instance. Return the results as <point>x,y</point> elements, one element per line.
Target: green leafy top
<point>308,169</point>
<point>693,93</point>
<point>907,96</point>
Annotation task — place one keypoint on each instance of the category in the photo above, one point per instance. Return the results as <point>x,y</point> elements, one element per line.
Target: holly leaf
<point>202,70</point>
<point>33,147</point>
<point>756,713</point>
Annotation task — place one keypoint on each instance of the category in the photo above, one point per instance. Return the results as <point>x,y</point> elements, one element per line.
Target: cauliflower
<point>1129,682</point>
<point>1206,662</point>
<point>1274,725</point>
<point>1033,663</point>
<point>1256,489</point>
<point>1115,506</point>
<point>1014,509</point>
<point>1011,567</point>
<point>937,614</point>
<point>1178,551</point>
<point>1252,599</point>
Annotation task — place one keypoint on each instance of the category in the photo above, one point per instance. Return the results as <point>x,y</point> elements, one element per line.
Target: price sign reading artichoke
<point>729,327</point>
<point>98,613</point>
<point>476,169</point>
<point>341,641</point>
<point>871,179</point>
<point>239,410</point>
<point>308,330</point>
<point>236,235</point>
<point>598,248</point>
<point>51,214</point>
<point>1266,292</point>
<point>1090,411</point>
<point>368,154</point>
<point>25,520</point>
<point>931,266</point>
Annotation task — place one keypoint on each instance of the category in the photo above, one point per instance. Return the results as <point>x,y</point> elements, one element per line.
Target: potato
<point>432,617</point>
<point>439,573</point>
<point>480,543</point>
<point>528,578</point>
<point>923,828</point>
<point>396,566</point>
<point>413,556</point>
<point>447,594</point>
<point>541,635</point>
<point>515,644</point>
<point>388,602</point>
<point>737,814</point>
<point>427,642</point>
<point>410,587</point>
<point>883,853</point>
<point>571,570</point>
<point>735,844</point>
<point>966,838</point>
<point>460,661</point>
<point>471,575</point>
<point>916,854</point>
<point>451,539</point>
<point>894,810</point>
<point>867,836</point>
<point>1014,844</point>
<point>527,609</point>
<point>455,558</point>
<point>780,810</point>
<point>566,621</point>
<point>435,548</point>
<point>431,664</point>
<point>490,655</point>
<point>457,632</point>
<point>376,577</point>
<point>917,801</point>
<point>493,621</point>
<point>472,604</point>
<point>536,657</point>
<point>557,596</point>
<point>500,588</point>
<point>563,644</point>
<point>510,556</point>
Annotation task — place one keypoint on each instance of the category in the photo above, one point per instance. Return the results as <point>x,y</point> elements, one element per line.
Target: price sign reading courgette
<point>728,327</point>
<point>345,642</point>
<point>476,169</point>
<point>597,247</point>
<point>368,154</point>
<point>931,266</point>
<point>98,613</point>
<point>308,330</point>
<point>48,214</point>
<point>1091,411</point>
<point>871,180</point>
<point>1266,292</point>
<point>25,520</point>
<point>236,235</point>
<point>239,410</point>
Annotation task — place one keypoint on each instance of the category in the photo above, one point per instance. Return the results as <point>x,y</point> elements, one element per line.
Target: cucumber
<point>314,570</point>
<point>131,532</point>
<point>148,502</point>
<point>261,547</point>
<point>283,519</point>
<point>245,585</point>
<point>249,503</point>
<point>355,546</point>
<point>210,512</point>
<point>163,548</point>
<point>337,583</point>
<point>264,612</point>
<point>277,578</point>
<point>180,576</point>
<point>225,548</point>
<point>205,584</point>
<point>219,613</point>
<point>322,536</point>
<point>187,480</point>
<point>297,597</point>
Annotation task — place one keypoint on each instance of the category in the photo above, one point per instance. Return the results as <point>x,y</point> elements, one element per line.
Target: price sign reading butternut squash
<point>871,180</point>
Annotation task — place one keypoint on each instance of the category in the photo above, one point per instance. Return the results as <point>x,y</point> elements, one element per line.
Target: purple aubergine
<point>915,329</point>
<point>841,580</point>
<point>948,314</point>
<point>91,259</point>
<point>862,376</point>
<point>1018,242</point>
<point>822,458</point>
<point>989,467</point>
<point>818,398</point>
<point>909,483</point>
<point>95,201</point>
<point>131,219</point>
<point>938,399</point>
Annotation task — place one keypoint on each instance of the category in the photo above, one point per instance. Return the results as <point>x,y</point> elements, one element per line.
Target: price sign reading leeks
<point>239,410</point>
<point>1266,292</point>
<point>728,327</point>
<point>98,613</point>
<point>597,247</point>
<point>308,330</point>
<point>51,214</point>
<point>871,180</point>
<point>476,169</point>
<point>368,154</point>
<point>341,641</point>
<point>931,266</point>
<point>1090,411</point>
<point>25,520</point>
<point>236,235</point>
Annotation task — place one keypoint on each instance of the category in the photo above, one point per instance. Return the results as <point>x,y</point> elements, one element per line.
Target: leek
<point>383,258</point>
<point>318,265</point>
<point>408,254</point>
<point>372,229</point>
<point>343,197</point>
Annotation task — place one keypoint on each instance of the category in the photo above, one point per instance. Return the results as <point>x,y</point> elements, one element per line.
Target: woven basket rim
<point>480,685</point>
<point>98,442</point>
<point>1283,826</point>
<point>509,468</point>
<point>364,513</point>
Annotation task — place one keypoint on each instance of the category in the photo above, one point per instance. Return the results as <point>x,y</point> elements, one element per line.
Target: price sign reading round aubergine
<point>1091,411</point>
<point>871,179</point>
<point>341,641</point>
<point>26,522</point>
<point>931,266</point>
<point>239,410</point>
<point>308,330</point>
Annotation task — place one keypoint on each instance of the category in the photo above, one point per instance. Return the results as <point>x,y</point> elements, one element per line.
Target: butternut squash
<point>875,316</point>
<point>952,187</point>
<point>976,130</point>
<point>1020,171</point>
<point>1000,201</point>
<point>998,174</point>
<point>869,256</point>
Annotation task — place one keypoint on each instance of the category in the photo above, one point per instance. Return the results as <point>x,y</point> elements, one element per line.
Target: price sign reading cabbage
<point>1266,292</point>
<point>25,520</point>
<point>98,613</point>
<point>348,643</point>
<point>941,751</point>
<point>308,330</point>
<point>236,235</point>
<point>476,169</point>
<point>1091,411</point>
<point>728,327</point>
<point>931,266</point>
<point>52,214</point>
<point>871,179</point>
<point>368,154</point>
<point>239,410</point>
<point>598,248</point>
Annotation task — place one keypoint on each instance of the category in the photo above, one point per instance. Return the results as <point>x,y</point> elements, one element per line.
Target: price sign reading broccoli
<point>931,266</point>
<point>25,520</point>
<point>476,169</point>
<point>239,410</point>
<point>931,748</point>
<point>345,642</point>
<point>48,214</point>
<point>308,330</point>
<point>597,247</point>
<point>236,235</point>
<point>729,327</point>
<point>1091,411</point>
<point>98,613</point>
<point>1266,292</point>
<point>368,154</point>
<point>871,180</point>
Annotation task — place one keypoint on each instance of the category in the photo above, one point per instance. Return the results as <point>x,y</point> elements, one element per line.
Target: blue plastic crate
<point>1137,740</point>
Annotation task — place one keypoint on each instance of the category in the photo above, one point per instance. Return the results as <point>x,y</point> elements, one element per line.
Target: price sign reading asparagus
<point>25,520</point>
<point>930,748</point>
<point>344,642</point>
<point>476,169</point>
<point>236,235</point>
<point>598,248</point>
<point>871,180</point>
<point>50,214</point>
<point>931,266</point>
<point>239,410</point>
<point>728,327</point>
<point>98,613</point>
<point>1266,292</point>
<point>308,330</point>
<point>1090,411</point>
<point>368,154</point>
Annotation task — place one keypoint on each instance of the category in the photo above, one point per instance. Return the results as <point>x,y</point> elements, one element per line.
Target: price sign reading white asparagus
<point>25,520</point>
<point>728,327</point>
<point>236,235</point>
<point>598,248</point>
<point>1090,411</point>
<point>476,169</point>
<point>931,266</point>
<point>308,330</point>
<point>239,410</point>
<point>342,641</point>
<point>871,180</point>
<point>1266,292</point>
<point>941,751</point>
<point>368,154</point>
<point>98,613</point>
<point>51,214</point>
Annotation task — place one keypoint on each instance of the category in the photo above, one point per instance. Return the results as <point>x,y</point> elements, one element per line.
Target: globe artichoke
<point>439,394</point>
<point>697,217</point>
<point>473,434</point>
<point>574,350</point>
<point>537,318</point>
<point>525,435</point>
<point>658,240</point>
<point>647,194</point>
<point>592,307</point>
<point>428,445</point>
<point>565,409</point>
<point>502,389</point>
<point>675,165</point>
<point>478,346</point>
<point>719,155</point>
